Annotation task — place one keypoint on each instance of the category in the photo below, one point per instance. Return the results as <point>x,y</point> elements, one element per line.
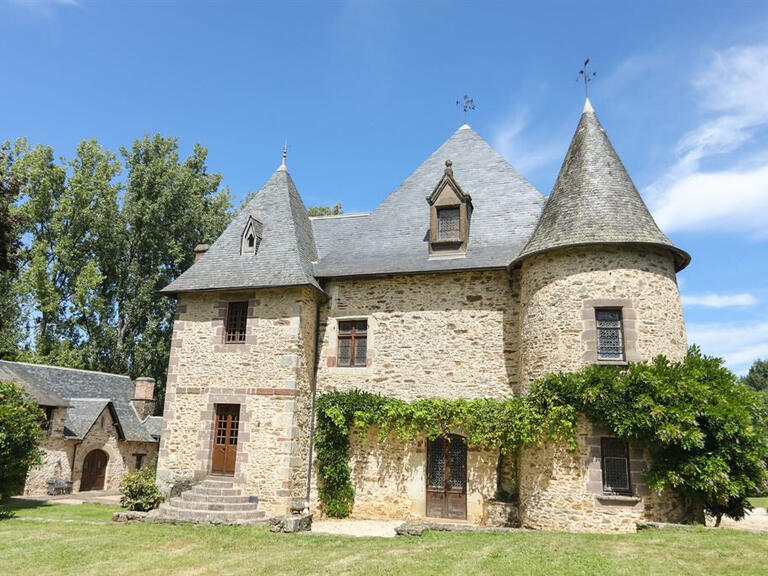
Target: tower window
<point>615,465</point>
<point>237,321</point>
<point>610,341</point>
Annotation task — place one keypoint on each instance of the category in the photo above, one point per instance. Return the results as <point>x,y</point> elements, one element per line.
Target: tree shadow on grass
<point>10,506</point>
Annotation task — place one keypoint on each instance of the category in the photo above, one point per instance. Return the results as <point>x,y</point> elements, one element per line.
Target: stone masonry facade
<point>63,457</point>
<point>458,335</point>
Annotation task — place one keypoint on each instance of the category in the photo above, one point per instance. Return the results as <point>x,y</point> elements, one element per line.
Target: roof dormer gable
<point>450,210</point>
<point>251,236</point>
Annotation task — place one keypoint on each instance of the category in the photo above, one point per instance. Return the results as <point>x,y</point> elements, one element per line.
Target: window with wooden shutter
<point>610,340</point>
<point>237,320</point>
<point>352,343</point>
<point>615,465</point>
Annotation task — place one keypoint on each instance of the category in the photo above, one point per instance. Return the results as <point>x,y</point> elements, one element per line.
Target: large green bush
<point>139,490</point>
<point>705,431</point>
<point>20,418</point>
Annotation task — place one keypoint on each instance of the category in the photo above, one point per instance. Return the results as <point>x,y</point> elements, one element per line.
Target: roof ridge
<point>66,368</point>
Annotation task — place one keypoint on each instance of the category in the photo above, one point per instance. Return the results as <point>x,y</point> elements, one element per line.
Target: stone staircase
<point>215,500</point>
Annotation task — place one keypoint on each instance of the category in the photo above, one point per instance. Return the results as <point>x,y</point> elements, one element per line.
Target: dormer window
<point>251,237</point>
<point>450,212</point>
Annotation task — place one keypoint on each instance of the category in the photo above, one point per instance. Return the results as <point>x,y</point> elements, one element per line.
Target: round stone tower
<point>598,280</point>
<point>597,285</point>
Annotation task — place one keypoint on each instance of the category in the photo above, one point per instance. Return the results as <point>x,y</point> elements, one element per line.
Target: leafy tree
<point>170,207</point>
<point>334,210</point>
<point>757,377</point>
<point>99,250</point>
<point>10,185</point>
<point>20,419</point>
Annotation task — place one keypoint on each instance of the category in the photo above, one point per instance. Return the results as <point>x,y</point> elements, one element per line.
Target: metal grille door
<point>447,478</point>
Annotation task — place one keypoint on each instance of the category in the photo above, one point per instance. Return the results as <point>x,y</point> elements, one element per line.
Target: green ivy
<point>706,432</point>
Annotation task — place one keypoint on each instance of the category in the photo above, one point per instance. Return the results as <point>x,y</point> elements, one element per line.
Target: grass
<point>81,540</point>
<point>761,502</point>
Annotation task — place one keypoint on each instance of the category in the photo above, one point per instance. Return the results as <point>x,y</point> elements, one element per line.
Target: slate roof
<point>594,201</point>
<point>284,257</point>
<point>86,392</point>
<point>394,237</point>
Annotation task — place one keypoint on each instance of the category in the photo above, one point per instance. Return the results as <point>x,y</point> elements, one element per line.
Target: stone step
<point>206,491</point>
<point>218,481</point>
<point>212,506</point>
<point>193,496</point>
<point>172,513</point>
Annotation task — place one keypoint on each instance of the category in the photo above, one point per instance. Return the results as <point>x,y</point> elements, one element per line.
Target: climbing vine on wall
<point>706,433</point>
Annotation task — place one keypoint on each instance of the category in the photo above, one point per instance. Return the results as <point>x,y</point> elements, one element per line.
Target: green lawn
<point>80,540</point>
<point>759,502</point>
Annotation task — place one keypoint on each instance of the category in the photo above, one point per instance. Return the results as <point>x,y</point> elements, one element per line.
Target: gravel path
<point>357,528</point>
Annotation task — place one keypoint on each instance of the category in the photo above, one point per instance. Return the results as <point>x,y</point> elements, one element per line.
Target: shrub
<point>20,418</point>
<point>140,491</point>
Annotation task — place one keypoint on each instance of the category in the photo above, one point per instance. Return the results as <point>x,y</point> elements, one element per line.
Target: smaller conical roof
<point>284,256</point>
<point>594,201</point>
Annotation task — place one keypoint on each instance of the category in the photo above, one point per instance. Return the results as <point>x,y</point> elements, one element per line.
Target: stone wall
<point>389,477</point>
<point>431,335</point>
<point>57,456</point>
<point>562,490</point>
<point>557,286</point>
<point>267,376</point>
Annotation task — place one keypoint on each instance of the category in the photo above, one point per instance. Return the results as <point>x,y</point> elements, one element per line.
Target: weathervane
<point>285,152</point>
<point>586,76</point>
<point>466,104</point>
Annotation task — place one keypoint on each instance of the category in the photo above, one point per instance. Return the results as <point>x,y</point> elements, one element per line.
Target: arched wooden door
<point>447,478</point>
<point>94,470</point>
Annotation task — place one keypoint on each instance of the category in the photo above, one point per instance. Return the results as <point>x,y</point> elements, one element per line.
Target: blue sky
<point>364,91</point>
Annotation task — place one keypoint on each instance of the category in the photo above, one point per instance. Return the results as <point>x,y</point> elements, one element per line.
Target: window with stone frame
<point>139,460</point>
<point>47,421</point>
<point>449,224</point>
<point>610,339</point>
<point>237,321</point>
<point>352,343</point>
<point>615,465</point>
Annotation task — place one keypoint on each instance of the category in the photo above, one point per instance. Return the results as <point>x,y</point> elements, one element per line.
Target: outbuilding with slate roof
<point>97,426</point>
<point>465,282</point>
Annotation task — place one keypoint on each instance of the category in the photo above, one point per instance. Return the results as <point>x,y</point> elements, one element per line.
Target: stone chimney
<point>144,396</point>
<point>200,250</point>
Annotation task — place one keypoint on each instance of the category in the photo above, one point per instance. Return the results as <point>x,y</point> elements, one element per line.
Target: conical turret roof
<point>594,201</point>
<point>284,256</point>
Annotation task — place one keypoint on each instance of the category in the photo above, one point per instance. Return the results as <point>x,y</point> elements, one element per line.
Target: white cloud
<point>719,300</point>
<point>46,8</point>
<point>508,140</point>
<point>738,343</point>
<point>732,92</point>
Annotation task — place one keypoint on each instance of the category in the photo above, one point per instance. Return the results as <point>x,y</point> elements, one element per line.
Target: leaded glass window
<point>615,465</point>
<point>610,344</point>
<point>353,343</point>
<point>448,224</point>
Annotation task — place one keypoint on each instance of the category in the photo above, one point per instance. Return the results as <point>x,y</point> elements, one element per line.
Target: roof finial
<point>587,77</point>
<point>285,156</point>
<point>448,168</point>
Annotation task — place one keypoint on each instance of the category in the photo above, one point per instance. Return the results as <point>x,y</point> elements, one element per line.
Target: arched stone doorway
<point>94,470</point>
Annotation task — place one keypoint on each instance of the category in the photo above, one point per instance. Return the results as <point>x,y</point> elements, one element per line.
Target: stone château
<point>464,282</point>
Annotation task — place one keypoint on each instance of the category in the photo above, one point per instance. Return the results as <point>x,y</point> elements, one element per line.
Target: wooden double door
<point>225,439</point>
<point>94,470</point>
<point>447,478</point>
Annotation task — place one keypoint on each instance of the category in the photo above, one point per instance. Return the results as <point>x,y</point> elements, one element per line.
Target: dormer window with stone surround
<point>249,243</point>
<point>450,212</point>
